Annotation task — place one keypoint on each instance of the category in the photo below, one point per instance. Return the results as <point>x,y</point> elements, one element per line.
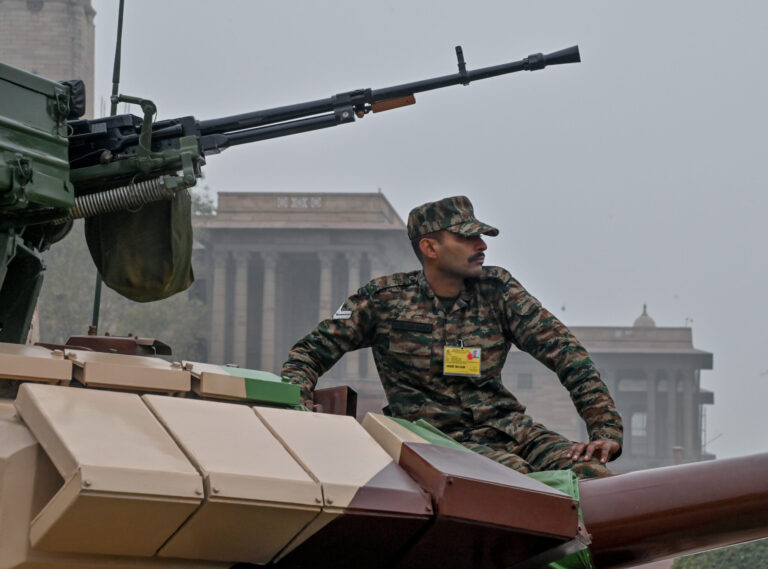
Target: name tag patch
<point>462,361</point>
<point>411,326</point>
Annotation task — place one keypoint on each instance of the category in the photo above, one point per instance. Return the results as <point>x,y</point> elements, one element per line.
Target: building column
<point>671,414</point>
<point>378,268</point>
<point>240,348</point>
<point>650,415</point>
<point>353,283</point>
<point>689,414</point>
<point>698,415</point>
<point>379,265</point>
<point>326,267</point>
<point>219,307</point>
<point>268,330</point>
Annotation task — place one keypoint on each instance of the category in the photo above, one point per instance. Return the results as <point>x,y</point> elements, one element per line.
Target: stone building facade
<point>50,38</point>
<point>653,374</point>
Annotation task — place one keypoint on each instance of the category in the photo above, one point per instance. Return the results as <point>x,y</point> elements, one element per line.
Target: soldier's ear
<point>428,247</point>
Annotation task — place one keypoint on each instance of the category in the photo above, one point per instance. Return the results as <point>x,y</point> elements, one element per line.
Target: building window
<point>638,423</point>
<point>524,381</point>
<point>638,443</point>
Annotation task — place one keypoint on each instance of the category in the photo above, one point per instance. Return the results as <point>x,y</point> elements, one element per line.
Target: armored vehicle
<point>115,460</point>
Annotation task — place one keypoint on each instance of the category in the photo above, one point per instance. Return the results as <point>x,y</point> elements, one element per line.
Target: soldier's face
<point>461,256</point>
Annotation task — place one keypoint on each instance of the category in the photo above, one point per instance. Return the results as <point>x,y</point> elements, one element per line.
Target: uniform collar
<point>465,295</point>
<point>424,285</point>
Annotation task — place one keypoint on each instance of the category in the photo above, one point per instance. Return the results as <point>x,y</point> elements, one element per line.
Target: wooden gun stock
<point>390,104</point>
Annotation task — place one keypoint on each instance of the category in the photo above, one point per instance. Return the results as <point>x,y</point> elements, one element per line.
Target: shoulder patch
<point>342,314</point>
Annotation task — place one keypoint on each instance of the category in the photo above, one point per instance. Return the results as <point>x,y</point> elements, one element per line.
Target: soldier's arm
<point>537,331</point>
<point>348,329</point>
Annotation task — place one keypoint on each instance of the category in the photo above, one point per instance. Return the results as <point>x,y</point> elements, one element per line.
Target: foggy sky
<point>637,176</point>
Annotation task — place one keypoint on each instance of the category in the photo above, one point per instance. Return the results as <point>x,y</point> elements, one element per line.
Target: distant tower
<point>51,38</point>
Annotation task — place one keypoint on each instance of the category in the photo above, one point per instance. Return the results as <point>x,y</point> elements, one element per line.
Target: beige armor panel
<point>144,373</point>
<point>33,363</point>
<point>257,497</point>
<point>127,486</point>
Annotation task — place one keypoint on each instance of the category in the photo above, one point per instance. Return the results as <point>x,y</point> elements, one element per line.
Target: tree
<point>203,202</point>
<point>751,555</point>
<point>66,300</point>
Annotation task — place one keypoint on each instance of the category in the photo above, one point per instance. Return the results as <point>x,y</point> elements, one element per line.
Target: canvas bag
<point>144,255</point>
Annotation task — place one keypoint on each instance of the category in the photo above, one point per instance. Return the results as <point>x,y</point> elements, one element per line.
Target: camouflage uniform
<point>407,327</point>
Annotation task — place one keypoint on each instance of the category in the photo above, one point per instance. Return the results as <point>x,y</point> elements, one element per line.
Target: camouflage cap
<point>454,214</point>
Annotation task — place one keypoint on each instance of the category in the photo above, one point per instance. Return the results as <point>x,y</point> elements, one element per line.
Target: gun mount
<point>109,152</point>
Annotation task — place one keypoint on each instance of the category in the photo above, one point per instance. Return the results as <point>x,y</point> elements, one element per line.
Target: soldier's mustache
<point>477,257</point>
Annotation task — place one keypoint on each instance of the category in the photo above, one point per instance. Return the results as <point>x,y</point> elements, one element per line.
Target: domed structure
<point>644,321</point>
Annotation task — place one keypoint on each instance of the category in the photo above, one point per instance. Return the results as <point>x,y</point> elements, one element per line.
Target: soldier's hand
<point>311,406</point>
<point>604,449</point>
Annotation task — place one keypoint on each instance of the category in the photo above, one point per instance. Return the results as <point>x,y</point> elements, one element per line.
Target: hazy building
<point>278,263</point>
<point>652,373</point>
<point>50,38</point>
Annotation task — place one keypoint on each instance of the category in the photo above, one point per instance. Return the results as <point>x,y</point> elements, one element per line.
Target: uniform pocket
<point>409,347</point>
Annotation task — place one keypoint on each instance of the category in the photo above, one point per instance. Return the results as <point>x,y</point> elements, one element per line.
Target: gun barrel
<point>264,117</point>
<point>213,143</point>
<point>362,99</point>
<point>661,513</point>
<point>530,63</point>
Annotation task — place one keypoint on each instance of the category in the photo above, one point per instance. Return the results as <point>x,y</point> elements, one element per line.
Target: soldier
<point>440,337</point>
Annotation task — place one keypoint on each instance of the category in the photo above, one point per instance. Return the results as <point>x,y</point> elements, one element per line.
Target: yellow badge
<point>461,361</point>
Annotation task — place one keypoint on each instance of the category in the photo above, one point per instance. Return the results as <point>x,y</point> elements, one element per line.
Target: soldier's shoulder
<point>497,283</point>
<point>388,282</point>
<point>497,277</point>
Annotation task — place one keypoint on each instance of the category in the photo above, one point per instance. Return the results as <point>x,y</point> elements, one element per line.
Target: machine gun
<point>55,167</point>
<point>109,152</point>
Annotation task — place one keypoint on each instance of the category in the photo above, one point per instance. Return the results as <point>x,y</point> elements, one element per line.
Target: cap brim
<point>473,229</point>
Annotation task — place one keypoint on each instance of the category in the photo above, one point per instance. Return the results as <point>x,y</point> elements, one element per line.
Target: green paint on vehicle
<point>430,433</point>
<point>266,387</point>
<point>566,482</point>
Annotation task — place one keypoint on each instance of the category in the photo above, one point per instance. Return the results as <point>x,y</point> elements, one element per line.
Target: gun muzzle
<point>567,55</point>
